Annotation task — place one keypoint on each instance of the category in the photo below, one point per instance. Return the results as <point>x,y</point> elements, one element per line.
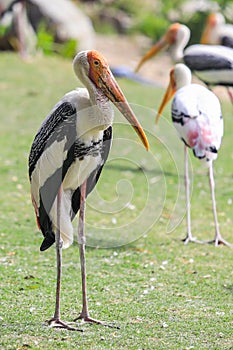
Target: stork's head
<point>180,75</point>
<point>93,70</point>
<point>213,21</point>
<point>175,39</point>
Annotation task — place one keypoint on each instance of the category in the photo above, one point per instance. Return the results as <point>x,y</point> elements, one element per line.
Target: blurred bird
<point>197,117</point>
<point>67,157</point>
<point>212,64</point>
<point>217,31</point>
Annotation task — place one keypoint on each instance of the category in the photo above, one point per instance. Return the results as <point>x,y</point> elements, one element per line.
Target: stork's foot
<point>218,241</point>
<point>56,323</point>
<point>86,318</point>
<point>191,239</point>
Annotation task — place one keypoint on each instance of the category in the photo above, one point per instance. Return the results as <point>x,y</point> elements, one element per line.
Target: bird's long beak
<point>162,43</point>
<point>205,35</point>
<point>167,39</point>
<point>210,23</point>
<point>109,86</point>
<point>171,89</point>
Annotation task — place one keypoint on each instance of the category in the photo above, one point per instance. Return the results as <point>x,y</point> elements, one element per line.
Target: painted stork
<point>67,157</point>
<point>211,64</point>
<point>217,31</point>
<point>197,117</point>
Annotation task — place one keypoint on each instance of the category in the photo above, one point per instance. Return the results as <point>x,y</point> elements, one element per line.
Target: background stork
<point>217,31</point>
<point>67,157</point>
<point>212,64</point>
<point>197,117</point>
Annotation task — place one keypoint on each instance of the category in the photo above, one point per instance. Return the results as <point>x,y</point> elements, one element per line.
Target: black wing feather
<point>50,189</point>
<point>227,41</point>
<point>59,124</point>
<point>48,193</point>
<point>206,61</point>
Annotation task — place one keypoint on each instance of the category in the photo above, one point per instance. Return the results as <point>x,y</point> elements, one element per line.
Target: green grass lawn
<point>162,294</point>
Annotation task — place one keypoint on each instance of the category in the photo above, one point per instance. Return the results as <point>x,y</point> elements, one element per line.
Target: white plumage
<point>197,117</point>
<point>202,123</point>
<point>89,130</point>
<point>67,157</point>
<point>213,64</point>
<point>217,31</point>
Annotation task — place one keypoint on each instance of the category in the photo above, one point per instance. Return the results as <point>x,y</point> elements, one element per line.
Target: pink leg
<point>81,241</point>
<point>84,315</point>
<point>218,238</point>
<point>56,321</point>
<point>189,237</point>
<point>230,93</point>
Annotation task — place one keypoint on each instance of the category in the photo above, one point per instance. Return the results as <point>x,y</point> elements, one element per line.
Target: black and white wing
<point>49,160</point>
<point>213,64</point>
<point>57,155</point>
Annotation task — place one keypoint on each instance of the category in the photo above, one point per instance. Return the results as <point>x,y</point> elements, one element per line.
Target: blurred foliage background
<point>152,17</point>
<point>148,18</point>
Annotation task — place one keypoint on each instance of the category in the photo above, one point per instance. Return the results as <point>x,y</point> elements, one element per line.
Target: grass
<point>162,294</point>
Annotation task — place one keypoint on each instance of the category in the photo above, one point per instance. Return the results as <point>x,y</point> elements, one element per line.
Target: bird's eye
<point>96,63</point>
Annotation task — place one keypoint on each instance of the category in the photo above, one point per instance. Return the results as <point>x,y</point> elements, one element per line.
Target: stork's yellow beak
<point>171,90</point>
<point>103,78</point>
<point>162,43</point>
<point>210,23</point>
<point>167,39</point>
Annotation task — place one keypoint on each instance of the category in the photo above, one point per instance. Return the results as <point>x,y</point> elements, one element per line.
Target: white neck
<point>176,50</point>
<point>182,75</point>
<point>99,115</point>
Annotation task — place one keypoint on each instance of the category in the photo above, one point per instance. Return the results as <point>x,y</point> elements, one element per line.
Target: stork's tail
<point>208,154</point>
<point>65,225</point>
<point>48,241</point>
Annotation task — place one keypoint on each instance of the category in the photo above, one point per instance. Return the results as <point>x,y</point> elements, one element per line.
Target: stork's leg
<point>189,237</point>
<point>230,93</point>
<point>84,315</point>
<point>56,321</point>
<point>218,238</point>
